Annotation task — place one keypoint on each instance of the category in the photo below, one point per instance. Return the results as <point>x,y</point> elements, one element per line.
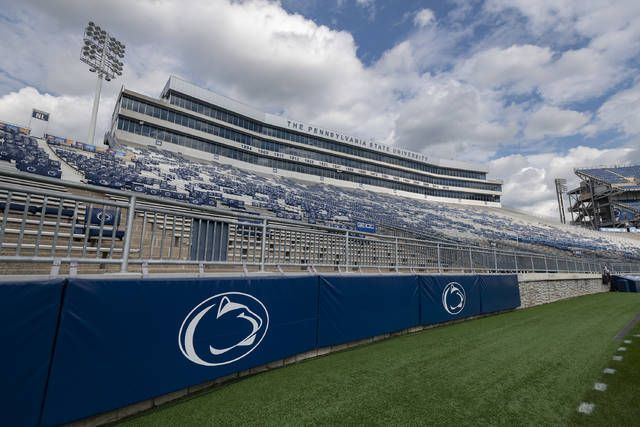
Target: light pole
<point>561,188</point>
<point>103,54</point>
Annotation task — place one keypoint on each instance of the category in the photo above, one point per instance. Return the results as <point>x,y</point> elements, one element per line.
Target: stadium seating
<point>167,174</point>
<point>170,175</point>
<point>24,152</point>
<point>616,175</point>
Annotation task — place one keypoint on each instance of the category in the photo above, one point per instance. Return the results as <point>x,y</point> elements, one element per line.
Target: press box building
<point>204,125</point>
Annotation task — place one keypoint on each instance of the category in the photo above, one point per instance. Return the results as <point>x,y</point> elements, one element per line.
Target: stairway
<point>68,173</point>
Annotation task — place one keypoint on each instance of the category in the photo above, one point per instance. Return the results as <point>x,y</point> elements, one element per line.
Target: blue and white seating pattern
<point>166,174</point>
<point>617,175</point>
<point>23,150</point>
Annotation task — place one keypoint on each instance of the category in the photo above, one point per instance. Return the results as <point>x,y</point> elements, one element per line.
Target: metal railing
<point>103,230</point>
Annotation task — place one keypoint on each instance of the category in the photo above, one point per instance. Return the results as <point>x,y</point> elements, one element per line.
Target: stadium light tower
<point>561,188</point>
<point>103,54</point>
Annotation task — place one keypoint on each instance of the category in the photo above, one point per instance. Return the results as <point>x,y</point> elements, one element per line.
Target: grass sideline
<point>528,367</point>
<point>618,405</point>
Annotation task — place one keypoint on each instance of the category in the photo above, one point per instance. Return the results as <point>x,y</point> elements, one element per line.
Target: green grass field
<point>618,405</point>
<point>529,367</point>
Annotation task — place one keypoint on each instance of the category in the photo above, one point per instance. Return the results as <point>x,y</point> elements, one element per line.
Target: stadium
<point>209,262</point>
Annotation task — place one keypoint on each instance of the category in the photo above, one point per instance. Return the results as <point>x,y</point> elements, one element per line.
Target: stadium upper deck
<point>202,124</point>
<point>607,197</point>
<point>624,176</point>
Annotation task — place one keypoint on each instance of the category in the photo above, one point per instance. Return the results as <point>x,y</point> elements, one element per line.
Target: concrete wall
<point>542,288</point>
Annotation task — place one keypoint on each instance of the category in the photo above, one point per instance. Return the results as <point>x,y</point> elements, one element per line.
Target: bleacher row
<point>628,175</point>
<point>24,151</point>
<point>166,174</point>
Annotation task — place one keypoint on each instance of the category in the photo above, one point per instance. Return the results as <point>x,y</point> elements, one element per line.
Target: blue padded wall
<point>626,283</point>
<point>353,308</point>
<point>499,293</point>
<point>124,341</point>
<point>28,317</point>
<point>447,298</point>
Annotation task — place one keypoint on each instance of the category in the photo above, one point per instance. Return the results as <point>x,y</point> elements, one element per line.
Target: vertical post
<point>439,262</point>
<point>128,234</point>
<point>397,269</point>
<point>346,248</point>
<point>470,260</point>
<point>495,261</point>
<point>264,244</point>
<point>557,266</point>
<point>546,266</point>
<point>515,257</point>
<point>94,111</point>
<point>533,265</point>
<point>596,218</point>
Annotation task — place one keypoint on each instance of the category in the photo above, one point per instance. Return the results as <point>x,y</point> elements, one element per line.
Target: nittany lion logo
<point>453,298</point>
<point>107,216</point>
<point>223,329</point>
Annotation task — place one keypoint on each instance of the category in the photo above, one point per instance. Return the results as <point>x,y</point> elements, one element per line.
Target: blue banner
<point>28,317</point>
<point>447,298</point>
<point>365,227</point>
<point>499,293</point>
<point>353,308</point>
<point>124,341</point>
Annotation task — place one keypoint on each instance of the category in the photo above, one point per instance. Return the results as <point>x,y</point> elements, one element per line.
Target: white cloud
<point>424,17</point>
<point>549,121</point>
<point>622,111</point>
<point>529,179</point>
<point>575,75</point>
<point>566,17</point>
<point>607,32</point>
<point>69,117</point>
<point>580,75</point>
<point>452,119</point>
<point>518,67</point>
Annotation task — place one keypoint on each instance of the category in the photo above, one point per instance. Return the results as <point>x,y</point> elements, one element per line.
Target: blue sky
<point>379,25</point>
<point>376,26</point>
<point>531,89</point>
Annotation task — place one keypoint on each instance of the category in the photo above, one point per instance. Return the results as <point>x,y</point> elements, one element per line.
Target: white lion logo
<point>230,304</point>
<point>453,298</point>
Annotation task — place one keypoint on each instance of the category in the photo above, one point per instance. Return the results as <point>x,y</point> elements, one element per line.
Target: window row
<point>256,126</point>
<point>221,150</point>
<point>223,132</point>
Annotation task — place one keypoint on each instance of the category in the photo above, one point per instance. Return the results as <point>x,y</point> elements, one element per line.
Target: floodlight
<point>101,52</point>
